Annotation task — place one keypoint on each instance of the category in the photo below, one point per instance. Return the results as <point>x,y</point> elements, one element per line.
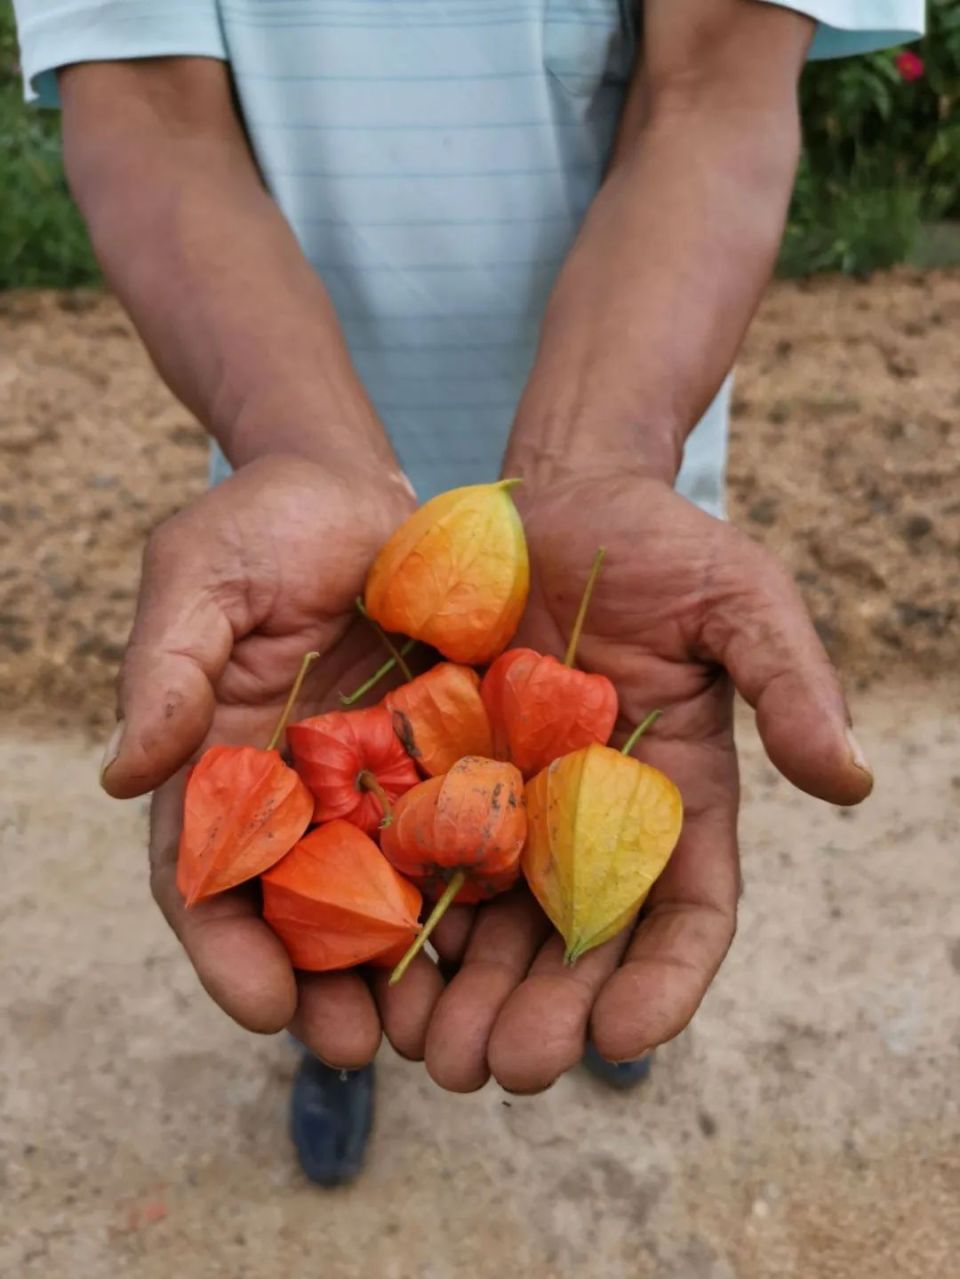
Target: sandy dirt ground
<point>807,1126</point>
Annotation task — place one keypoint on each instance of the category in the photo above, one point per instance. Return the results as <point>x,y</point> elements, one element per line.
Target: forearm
<point>652,304</point>
<point>649,310</point>
<point>234,317</point>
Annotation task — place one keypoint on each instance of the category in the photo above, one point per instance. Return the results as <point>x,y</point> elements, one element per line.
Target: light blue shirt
<point>435,159</point>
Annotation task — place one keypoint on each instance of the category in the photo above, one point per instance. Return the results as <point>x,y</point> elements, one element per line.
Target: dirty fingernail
<point>111,750</point>
<point>856,753</point>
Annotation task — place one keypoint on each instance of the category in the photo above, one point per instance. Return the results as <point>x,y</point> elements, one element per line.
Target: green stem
<point>639,731</point>
<point>367,781</point>
<point>440,909</point>
<point>377,676</point>
<point>584,605</point>
<point>294,693</point>
<point>394,652</point>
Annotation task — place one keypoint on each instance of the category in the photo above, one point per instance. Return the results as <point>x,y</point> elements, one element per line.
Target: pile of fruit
<point>453,785</point>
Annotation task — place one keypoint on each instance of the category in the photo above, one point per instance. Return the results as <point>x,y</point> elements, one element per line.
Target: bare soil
<point>845,460</point>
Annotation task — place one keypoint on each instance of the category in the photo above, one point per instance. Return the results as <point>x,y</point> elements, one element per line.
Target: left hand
<point>685,608</point>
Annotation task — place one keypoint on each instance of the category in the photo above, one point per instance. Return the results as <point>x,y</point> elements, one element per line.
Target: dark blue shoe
<point>331,1113</point>
<point>617,1074</point>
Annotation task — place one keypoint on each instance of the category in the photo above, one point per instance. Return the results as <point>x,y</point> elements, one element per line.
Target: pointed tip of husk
<point>572,953</point>
<point>191,898</point>
<point>506,486</point>
<point>203,887</point>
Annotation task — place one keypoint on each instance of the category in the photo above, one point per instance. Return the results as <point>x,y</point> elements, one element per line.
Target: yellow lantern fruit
<point>455,575</point>
<point>600,828</point>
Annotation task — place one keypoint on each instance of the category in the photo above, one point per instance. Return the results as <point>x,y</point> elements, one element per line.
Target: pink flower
<point>910,65</point>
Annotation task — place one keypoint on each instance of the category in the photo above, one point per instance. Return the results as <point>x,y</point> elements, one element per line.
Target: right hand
<point>686,608</point>
<point>236,588</point>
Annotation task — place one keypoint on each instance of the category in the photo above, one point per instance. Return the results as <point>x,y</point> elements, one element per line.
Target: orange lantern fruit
<point>243,809</point>
<point>458,837</point>
<point>353,765</point>
<point>540,708</point>
<point>455,575</point>
<point>601,826</point>
<point>335,901</point>
<point>440,717</point>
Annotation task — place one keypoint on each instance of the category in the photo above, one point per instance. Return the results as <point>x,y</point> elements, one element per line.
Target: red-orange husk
<point>541,709</point>
<point>440,717</point>
<point>243,810</point>
<point>345,757</point>
<point>459,837</point>
<point>472,820</point>
<point>335,901</point>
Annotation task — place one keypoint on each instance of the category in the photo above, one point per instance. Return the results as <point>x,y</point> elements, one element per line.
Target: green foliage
<point>869,224</point>
<point>881,154</point>
<point>42,238</point>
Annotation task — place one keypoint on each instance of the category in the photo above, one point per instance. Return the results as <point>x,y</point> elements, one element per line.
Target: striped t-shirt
<point>435,159</point>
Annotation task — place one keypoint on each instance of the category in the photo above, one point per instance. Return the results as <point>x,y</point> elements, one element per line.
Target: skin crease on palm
<point>666,625</point>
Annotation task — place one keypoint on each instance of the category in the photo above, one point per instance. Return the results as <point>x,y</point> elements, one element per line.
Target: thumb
<point>758,627</point>
<point>180,643</point>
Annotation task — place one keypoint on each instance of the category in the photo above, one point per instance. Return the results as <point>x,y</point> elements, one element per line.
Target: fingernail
<point>111,750</point>
<point>856,753</point>
<point>402,479</point>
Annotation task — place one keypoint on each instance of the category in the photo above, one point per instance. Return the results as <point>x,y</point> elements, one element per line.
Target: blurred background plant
<point>42,238</point>
<point>881,157</point>
<point>879,182</point>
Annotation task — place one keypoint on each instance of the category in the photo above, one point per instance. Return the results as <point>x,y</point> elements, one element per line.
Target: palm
<point>680,596</point>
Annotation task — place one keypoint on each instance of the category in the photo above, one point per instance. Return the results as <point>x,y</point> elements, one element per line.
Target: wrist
<point>340,433</point>
<point>550,447</point>
<point>378,499</point>
<point>589,407</point>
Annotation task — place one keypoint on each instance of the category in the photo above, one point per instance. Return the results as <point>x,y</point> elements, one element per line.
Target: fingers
<point>757,625</point>
<point>542,1029</point>
<point>239,960</point>
<point>451,935</point>
<point>405,1009</point>
<point>181,641</point>
<point>336,1018</point>
<point>686,930</point>
<point>505,938</point>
